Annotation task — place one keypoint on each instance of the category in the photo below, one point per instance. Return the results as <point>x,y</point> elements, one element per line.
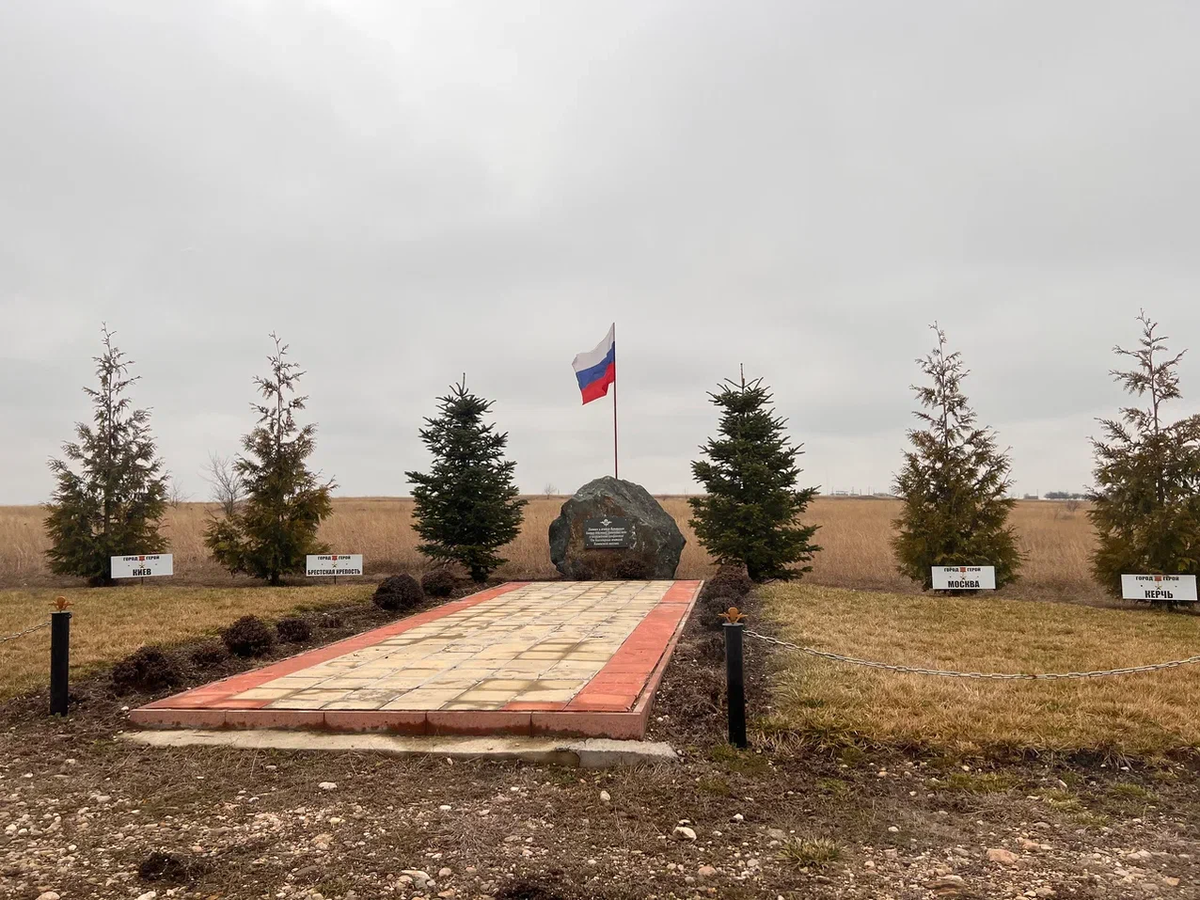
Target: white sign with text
<point>1159,587</point>
<point>964,578</point>
<point>334,564</point>
<point>146,566</point>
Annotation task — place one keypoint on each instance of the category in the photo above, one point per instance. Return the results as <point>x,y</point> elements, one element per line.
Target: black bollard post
<point>735,684</point>
<point>60,660</point>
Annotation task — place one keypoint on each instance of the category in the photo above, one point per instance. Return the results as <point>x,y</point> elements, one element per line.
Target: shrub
<point>954,483</point>
<point>467,506</point>
<point>248,636</point>
<point>711,607</point>
<point>210,653</point>
<point>1146,505</point>
<point>112,489</point>
<point>631,568</point>
<point>276,525</point>
<point>293,630</point>
<point>146,669</point>
<point>729,581</point>
<point>439,583</point>
<point>749,512</point>
<point>399,592</point>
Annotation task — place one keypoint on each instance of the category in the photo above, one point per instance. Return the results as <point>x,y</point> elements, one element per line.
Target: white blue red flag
<point>597,369</point>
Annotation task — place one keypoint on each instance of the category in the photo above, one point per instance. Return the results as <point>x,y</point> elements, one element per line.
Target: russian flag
<point>597,369</point>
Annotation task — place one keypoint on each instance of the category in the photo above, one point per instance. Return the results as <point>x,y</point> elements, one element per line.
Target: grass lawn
<point>109,623</point>
<point>1141,714</point>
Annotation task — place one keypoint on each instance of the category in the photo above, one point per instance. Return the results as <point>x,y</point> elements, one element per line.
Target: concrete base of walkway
<point>590,753</point>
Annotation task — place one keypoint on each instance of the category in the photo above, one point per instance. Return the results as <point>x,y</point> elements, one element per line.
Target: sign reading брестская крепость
<point>333,564</point>
<point>147,565</point>
<point>964,578</point>
<point>1178,588</point>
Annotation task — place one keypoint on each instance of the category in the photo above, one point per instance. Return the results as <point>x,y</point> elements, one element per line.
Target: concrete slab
<point>546,658</point>
<point>592,753</point>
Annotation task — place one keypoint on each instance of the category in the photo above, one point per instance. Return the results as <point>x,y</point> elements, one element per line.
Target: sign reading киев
<point>144,566</point>
<point>964,578</point>
<point>334,564</point>
<point>1178,588</point>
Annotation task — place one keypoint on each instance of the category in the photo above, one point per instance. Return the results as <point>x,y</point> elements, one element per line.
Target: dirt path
<point>81,813</point>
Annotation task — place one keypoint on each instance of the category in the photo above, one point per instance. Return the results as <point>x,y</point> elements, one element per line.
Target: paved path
<point>545,657</point>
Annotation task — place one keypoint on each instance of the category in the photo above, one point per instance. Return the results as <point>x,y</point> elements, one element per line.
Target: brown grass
<point>855,535</point>
<point>108,624</point>
<point>833,701</point>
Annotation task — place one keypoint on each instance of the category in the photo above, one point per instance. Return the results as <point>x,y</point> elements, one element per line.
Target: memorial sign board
<point>1177,588</point>
<point>964,578</point>
<point>608,533</point>
<point>333,564</point>
<point>147,565</point>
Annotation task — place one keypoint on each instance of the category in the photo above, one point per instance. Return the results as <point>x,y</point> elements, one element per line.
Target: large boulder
<point>614,529</point>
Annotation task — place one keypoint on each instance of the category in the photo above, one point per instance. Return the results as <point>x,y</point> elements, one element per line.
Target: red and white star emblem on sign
<point>334,557</point>
<point>141,559</point>
<point>1158,578</point>
<point>962,568</point>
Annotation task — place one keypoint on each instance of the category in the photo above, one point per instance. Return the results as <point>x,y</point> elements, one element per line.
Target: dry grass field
<point>854,535</point>
<point>836,702</point>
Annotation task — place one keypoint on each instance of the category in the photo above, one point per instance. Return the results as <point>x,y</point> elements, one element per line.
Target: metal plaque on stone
<point>608,533</point>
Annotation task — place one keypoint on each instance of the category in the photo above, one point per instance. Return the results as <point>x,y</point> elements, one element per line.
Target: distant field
<point>836,702</point>
<point>854,535</point>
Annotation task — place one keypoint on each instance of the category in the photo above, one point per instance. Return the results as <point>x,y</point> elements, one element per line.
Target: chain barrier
<point>999,676</point>
<point>30,630</point>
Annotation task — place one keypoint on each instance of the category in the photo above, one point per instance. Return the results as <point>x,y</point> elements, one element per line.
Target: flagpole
<point>615,469</point>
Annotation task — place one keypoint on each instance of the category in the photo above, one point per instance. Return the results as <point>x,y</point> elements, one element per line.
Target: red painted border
<point>615,703</point>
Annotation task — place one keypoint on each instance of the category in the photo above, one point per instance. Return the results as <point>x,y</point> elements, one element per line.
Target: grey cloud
<point>410,191</point>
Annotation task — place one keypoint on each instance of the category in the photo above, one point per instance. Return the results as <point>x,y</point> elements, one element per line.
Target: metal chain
<point>30,630</point>
<point>1002,676</point>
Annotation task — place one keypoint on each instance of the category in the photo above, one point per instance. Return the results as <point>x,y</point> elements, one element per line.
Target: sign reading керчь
<point>144,566</point>
<point>964,578</point>
<point>1176,588</point>
<point>333,564</point>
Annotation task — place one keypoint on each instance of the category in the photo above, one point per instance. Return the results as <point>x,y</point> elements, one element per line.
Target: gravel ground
<point>83,815</point>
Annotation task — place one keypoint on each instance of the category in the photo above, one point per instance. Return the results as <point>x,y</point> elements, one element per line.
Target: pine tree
<point>749,512</point>
<point>276,525</point>
<point>113,504</point>
<point>467,506</point>
<point>954,483</point>
<point>1146,503</point>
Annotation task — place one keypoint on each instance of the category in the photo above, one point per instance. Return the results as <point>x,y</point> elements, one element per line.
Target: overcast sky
<point>410,191</point>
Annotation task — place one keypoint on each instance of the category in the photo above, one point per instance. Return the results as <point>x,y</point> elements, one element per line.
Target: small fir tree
<point>467,506</point>
<point>954,483</point>
<point>275,526</point>
<point>750,510</point>
<point>1146,503</point>
<point>112,503</point>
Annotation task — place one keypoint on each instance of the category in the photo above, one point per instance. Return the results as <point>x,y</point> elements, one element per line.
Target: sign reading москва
<point>964,578</point>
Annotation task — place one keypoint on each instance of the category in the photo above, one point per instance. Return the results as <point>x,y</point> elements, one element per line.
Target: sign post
<point>335,564</point>
<point>145,566</point>
<point>964,578</point>
<point>1159,588</point>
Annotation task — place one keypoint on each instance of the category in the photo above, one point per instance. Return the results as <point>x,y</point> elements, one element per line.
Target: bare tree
<point>226,481</point>
<point>550,489</point>
<point>177,496</point>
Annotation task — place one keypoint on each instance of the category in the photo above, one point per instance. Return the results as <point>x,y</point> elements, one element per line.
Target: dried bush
<point>210,653</point>
<point>248,636</point>
<point>397,593</point>
<point>730,581</point>
<point>439,583</point>
<point>293,630</point>
<point>146,669</point>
